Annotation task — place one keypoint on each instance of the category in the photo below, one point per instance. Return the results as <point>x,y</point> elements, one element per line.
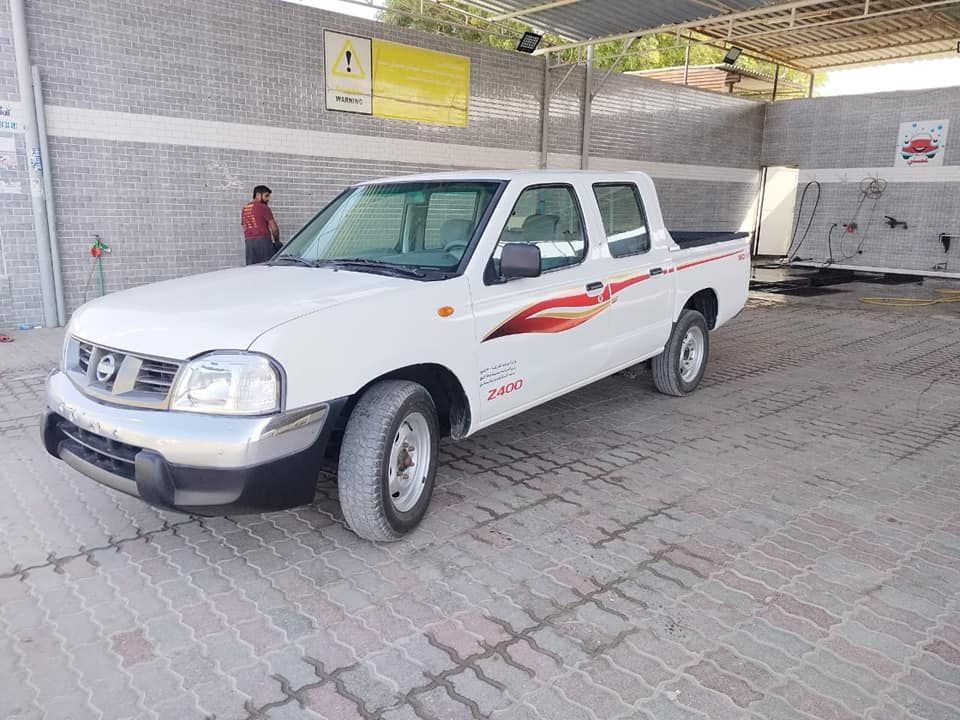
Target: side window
<point>623,219</point>
<point>548,217</point>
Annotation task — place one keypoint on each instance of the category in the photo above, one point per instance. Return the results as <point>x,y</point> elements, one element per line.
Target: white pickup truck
<point>407,310</point>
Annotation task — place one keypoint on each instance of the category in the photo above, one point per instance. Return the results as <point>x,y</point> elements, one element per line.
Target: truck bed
<point>698,238</point>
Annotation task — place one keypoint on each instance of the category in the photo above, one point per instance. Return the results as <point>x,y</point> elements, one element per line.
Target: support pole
<point>545,115</point>
<point>776,82</point>
<point>810,91</point>
<point>28,109</point>
<point>48,196</point>
<point>587,107</point>
<point>686,64</point>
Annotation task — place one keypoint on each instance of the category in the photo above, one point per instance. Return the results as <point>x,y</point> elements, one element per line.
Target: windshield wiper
<point>405,270</point>
<point>295,259</point>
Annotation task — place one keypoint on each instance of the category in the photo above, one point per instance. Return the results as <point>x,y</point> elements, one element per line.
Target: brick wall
<point>842,140</point>
<point>164,115</point>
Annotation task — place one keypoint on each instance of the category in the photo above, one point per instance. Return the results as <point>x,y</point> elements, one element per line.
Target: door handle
<point>656,271</point>
<point>594,286</point>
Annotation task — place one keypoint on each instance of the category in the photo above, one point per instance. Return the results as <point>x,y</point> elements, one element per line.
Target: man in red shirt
<point>260,232</point>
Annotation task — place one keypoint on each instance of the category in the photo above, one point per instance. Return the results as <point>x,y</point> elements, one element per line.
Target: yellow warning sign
<point>411,83</point>
<point>348,63</point>
<point>347,69</point>
<point>396,81</point>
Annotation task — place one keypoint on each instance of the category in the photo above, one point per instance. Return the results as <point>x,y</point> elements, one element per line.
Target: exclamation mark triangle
<point>348,64</point>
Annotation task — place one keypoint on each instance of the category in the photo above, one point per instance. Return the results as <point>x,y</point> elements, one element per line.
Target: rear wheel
<point>679,369</point>
<point>388,460</point>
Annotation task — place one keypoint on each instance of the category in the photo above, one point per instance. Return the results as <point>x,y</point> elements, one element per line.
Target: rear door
<point>538,337</point>
<point>637,275</point>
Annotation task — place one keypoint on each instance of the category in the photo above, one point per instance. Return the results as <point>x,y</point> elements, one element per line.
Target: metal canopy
<point>804,34</point>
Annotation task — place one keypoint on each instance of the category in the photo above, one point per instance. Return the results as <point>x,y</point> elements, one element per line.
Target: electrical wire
<point>871,188</point>
<point>791,253</point>
<point>829,259</point>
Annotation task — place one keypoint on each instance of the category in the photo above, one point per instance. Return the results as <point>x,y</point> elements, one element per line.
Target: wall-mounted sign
<point>8,120</point>
<point>922,143</point>
<point>410,83</point>
<point>9,180</point>
<point>8,153</point>
<point>391,80</point>
<point>349,72</point>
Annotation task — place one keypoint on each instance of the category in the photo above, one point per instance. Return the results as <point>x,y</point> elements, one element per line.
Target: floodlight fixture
<point>529,42</point>
<point>732,54</point>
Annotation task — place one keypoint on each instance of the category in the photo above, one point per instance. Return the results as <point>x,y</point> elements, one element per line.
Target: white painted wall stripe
<point>944,173</point>
<point>130,127</point>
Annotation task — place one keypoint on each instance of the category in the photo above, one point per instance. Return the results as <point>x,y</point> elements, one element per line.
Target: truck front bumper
<point>204,464</point>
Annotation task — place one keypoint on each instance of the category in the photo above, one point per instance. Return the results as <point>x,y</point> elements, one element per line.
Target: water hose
<point>940,297</point>
<point>96,252</point>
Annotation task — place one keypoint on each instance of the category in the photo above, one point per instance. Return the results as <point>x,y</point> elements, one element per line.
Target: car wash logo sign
<point>922,143</point>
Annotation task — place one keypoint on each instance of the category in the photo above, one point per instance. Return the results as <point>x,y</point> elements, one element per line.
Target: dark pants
<point>259,250</point>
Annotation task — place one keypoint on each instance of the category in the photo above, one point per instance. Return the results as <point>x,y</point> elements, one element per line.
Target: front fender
<point>338,351</point>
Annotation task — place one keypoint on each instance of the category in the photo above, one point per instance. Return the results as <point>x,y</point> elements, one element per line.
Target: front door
<point>539,337</point>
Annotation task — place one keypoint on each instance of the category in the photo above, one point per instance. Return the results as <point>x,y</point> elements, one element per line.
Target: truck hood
<point>224,310</point>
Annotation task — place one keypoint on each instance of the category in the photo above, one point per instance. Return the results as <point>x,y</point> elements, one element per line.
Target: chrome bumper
<point>191,439</point>
<point>193,462</point>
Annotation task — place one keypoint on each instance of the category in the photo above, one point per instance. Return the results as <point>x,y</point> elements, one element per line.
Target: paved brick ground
<point>783,544</point>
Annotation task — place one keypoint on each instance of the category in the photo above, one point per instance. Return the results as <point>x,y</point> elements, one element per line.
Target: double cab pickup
<point>406,310</point>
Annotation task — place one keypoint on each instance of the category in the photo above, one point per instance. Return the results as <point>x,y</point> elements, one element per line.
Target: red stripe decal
<point>616,286</point>
<point>524,322</point>
<point>706,260</point>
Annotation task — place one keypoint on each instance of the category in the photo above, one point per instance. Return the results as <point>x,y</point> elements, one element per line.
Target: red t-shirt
<point>255,218</point>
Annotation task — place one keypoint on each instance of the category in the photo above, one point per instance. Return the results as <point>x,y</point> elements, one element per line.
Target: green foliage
<point>453,19</point>
<point>465,22</point>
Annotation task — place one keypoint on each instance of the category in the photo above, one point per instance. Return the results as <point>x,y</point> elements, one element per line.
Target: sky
<point>914,75</point>
<point>342,7</point>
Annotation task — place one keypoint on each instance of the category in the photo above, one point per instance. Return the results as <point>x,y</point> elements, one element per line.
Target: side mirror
<point>519,260</point>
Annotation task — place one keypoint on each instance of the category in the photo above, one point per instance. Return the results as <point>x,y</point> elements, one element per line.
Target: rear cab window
<point>624,220</point>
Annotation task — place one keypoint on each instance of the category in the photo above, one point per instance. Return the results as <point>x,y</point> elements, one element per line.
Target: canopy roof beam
<point>690,24</point>
<point>723,26</point>
<point>535,9</point>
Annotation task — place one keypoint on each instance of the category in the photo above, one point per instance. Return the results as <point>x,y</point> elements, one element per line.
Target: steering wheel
<point>457,247</point>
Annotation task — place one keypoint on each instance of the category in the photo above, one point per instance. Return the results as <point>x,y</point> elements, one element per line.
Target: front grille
<point>84,353</point>
<point>135,380</point>
<point>156,376</point>
<point>114,457</point>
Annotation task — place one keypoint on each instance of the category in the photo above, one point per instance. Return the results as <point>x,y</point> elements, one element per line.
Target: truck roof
<point>534,175</point>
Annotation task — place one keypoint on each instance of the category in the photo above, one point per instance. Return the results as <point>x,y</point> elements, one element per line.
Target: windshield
<point>415,224</point>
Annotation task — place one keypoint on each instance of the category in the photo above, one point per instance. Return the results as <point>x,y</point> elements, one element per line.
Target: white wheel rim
<point>691,353</point>
<point>409,462</point>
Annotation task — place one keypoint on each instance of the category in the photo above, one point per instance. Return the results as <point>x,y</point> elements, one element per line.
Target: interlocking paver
<point>782,544</point>
<point>577,687</point>
<point>487,697</point>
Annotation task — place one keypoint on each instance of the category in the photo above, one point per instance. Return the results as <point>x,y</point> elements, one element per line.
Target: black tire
<point>665,367</point>
<point>363,482</point>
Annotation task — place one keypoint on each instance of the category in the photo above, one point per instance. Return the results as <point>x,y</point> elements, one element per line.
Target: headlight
<point>228,384</point>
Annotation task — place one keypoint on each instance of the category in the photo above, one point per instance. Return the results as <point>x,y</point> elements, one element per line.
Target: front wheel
<point>388,460</point>
<point>679,369</point>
